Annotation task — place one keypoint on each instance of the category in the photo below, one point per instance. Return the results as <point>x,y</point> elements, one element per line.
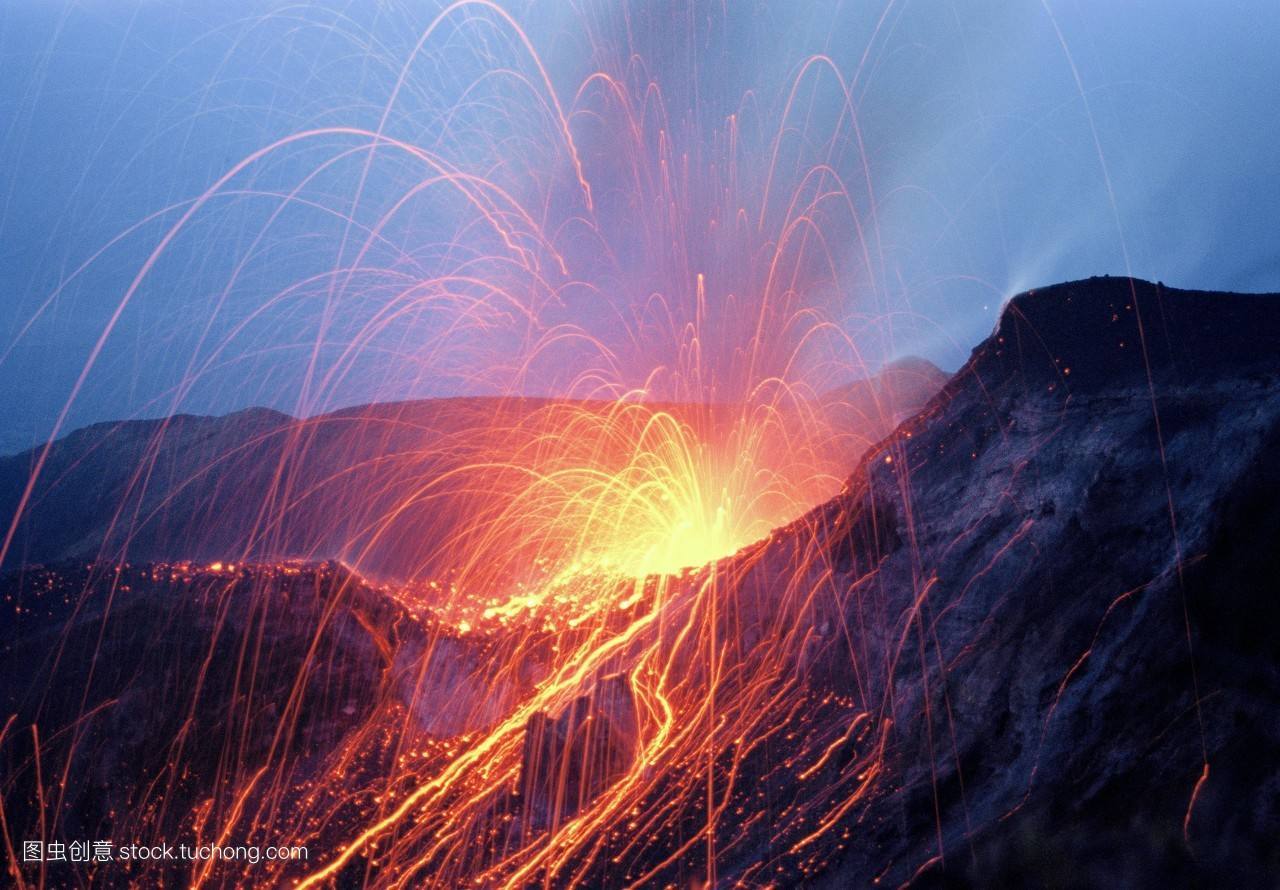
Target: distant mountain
<point>259,484</point>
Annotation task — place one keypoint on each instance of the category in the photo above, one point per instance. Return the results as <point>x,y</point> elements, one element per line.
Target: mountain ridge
<point>258,483</point>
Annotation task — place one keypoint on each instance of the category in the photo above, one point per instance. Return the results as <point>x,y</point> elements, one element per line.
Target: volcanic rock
<point>1072,598</point>
<point>569,759</point>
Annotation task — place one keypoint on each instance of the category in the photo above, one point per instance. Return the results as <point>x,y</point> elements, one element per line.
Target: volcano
<point>1030,643</point>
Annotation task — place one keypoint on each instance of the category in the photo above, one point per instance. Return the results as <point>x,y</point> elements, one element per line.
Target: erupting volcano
<point>580,523</point>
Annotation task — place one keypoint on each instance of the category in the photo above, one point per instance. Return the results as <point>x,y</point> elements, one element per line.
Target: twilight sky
<point>998,146</point>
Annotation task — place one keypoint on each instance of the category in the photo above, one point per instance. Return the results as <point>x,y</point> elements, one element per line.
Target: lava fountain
<point>652,279</point>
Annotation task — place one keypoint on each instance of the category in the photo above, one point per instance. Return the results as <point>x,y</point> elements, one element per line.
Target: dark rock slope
<point>1068,573</point>
<point>130,694</point>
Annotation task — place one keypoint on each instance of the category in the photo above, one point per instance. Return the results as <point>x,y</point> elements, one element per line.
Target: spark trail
<point>680,272</point>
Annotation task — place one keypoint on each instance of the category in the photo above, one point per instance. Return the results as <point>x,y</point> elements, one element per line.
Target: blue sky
<point>1003,146</point>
